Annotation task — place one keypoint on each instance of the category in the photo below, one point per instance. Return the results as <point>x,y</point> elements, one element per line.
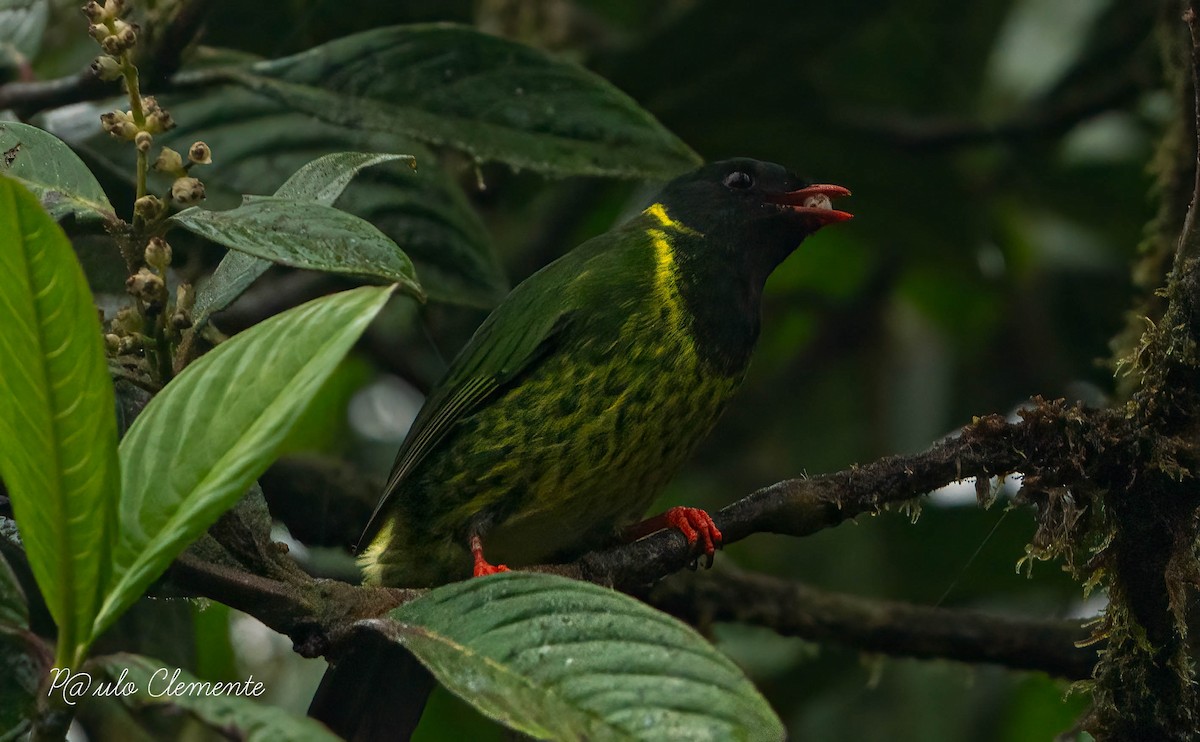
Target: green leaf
<point>26,662</point>
<point>239,401</point>
<point>14,607</point>
<point>22,24</point>
<point>44,164</point>
<point>322,181</point>
<point>492,98</point>
<point>562,659</point>
<point>235,714</point>
<point>232,276</point>
<point>258,143</point>
<point>303,234</point>
<point>58,430</point>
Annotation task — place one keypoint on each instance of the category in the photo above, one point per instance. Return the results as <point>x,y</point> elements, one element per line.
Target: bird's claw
<point>482,567</point>
<point>697,526</point>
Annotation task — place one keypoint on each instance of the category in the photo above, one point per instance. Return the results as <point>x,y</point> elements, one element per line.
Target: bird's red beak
<point>814,201</point>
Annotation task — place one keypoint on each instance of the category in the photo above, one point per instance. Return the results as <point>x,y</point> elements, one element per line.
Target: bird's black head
<point>757,209</point>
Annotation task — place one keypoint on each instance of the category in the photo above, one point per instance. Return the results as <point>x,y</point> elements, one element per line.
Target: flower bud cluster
<point>186,190</point>
<point>169,162</point>
<point>158,254</point>
<point>111,10</point>
<point>121,124</point>
<point>148,207</point>
<point>124,332</point>
<point>199,154</point>
<point>158,119</point>
<point>106,68</point>
<point>149,288</point>
<point>114,35</point>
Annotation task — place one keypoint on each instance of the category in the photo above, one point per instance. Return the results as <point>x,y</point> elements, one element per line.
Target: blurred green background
<point>998,153</point>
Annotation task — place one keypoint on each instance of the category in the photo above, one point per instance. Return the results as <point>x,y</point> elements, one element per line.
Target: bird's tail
<point>375,692</point>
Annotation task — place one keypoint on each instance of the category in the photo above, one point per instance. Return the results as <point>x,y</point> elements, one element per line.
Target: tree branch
<point>28,98</point>
<point>1145,683</point>
<point>1189,241</point>
<point>880,626</point>
<point>1050,117</point>
<point>166,41</point>
<point>1051,441</point>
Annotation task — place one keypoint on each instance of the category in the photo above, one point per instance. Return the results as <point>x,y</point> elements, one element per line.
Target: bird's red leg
<point>695,524</point>
<point>482,567</point>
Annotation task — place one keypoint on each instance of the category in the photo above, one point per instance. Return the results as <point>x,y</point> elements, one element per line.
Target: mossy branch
<point>1145,682</point>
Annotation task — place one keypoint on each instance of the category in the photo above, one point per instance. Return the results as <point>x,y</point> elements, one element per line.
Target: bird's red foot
<point>482,567</point>
<point>696,525</point>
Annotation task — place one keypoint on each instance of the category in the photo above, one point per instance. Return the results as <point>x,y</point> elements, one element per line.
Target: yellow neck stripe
<point>659,212</point>
<point>666,279</point>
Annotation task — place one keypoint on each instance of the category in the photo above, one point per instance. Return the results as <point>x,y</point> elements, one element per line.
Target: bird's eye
<point>738,179</point>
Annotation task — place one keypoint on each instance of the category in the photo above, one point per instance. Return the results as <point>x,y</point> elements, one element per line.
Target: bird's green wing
<point>511,341</point>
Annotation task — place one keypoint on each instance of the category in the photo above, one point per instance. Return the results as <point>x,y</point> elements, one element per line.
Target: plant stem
<point>163,348</point>
<point>129,72</point>
<point>131,84</point>
<point>64,655</point>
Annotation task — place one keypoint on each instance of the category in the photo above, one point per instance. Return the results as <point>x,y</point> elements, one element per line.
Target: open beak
<point>814,201</point>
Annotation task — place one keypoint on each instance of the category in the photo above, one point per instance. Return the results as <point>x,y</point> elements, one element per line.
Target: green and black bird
<point>573,405</point>
<point>581,395</point>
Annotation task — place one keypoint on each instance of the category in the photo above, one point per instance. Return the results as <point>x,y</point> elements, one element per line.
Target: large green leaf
<point>238,402</point>
<point>55,174</point>
<point>304,234</point>
<point>234,714</point>
<point>322,181</point>
<point>490,97</point>
<point>562,659</point>
<point>58,430</point>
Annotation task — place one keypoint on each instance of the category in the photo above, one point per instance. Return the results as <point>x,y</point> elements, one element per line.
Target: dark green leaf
<point>58,432</point>
<point>240,402</point>
<point>235,714</point>
<point>257,144</point>
<point>304,235</point>
<point>22,23</point>
<point>562,659</point>
<point>322,181</point>
<point>492,98</point>
<point>55,174</point>
<point>14,607</point>
<point>26,661</point>
<point>233,275</point>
